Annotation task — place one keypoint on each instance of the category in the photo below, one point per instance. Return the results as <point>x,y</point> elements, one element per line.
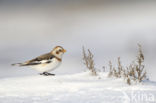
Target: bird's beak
<point>64,51</point>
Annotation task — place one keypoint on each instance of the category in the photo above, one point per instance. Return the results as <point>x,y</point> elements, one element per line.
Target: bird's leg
<point>51,74</point>
<point>46,74</point>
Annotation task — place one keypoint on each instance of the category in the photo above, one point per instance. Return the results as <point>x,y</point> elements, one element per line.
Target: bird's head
<point>58,51</point>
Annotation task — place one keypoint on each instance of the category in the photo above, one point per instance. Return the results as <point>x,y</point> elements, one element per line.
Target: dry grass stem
<point>89,61</point>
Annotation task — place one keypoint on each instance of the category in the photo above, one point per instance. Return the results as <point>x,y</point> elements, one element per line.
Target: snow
<point>73,88</point>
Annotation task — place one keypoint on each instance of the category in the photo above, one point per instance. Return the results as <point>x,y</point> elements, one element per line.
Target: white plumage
<point>47,67</point>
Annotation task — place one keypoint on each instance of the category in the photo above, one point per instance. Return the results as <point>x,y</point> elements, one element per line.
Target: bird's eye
<point>60,50</point>
<point>57,52</point>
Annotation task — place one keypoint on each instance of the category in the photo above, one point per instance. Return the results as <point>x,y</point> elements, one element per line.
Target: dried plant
<point>110,69</point>
<point>137,69</point>
<point>120,68</point>
<point>89,61</point>
<point>140,67</point>
<point>128,81</point>
<point>115,72</point>
<point>134,72</point>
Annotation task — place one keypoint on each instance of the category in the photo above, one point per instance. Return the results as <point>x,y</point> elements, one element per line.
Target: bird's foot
<point>47,74</point>
<point>51,74</point>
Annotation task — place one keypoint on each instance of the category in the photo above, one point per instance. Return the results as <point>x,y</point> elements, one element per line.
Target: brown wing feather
<point>39,58</point>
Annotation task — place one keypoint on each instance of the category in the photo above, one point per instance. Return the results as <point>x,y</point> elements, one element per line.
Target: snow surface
<point>74,88</point>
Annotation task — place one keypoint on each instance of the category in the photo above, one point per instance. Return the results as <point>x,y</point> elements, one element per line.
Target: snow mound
<point>75,88</point>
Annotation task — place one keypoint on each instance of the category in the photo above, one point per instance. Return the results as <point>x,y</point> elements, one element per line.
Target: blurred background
<point>110,29</point>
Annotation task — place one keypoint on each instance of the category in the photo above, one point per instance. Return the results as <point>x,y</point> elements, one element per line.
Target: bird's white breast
<point>47,67</point>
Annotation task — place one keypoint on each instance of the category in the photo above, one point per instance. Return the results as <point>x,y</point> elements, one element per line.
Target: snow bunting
<point>46,62</point>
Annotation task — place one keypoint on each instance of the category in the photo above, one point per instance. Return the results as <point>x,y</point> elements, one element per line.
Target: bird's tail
<point>18,64</point>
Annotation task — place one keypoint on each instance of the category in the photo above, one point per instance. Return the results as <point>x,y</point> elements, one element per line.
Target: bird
<point>45,63</point>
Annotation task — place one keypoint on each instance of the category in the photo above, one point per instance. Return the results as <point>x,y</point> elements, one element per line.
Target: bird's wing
<point>45,58</point>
